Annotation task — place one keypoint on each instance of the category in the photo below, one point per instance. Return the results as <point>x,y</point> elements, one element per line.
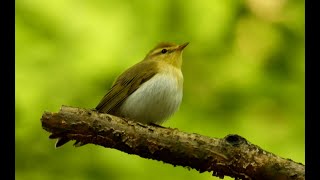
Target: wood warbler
<point>149,92</point>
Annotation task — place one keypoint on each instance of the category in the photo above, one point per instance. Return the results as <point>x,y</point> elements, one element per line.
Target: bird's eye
<point>163,51</point>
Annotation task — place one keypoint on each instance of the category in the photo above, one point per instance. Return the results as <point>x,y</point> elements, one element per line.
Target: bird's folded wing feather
<point>126,84</point>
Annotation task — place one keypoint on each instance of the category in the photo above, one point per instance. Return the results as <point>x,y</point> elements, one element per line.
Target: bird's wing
<point>126,84</point>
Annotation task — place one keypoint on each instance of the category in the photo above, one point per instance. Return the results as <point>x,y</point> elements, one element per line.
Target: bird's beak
<point>182,46</point>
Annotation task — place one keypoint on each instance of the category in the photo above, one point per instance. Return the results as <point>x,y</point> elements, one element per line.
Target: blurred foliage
<point>243,70</point>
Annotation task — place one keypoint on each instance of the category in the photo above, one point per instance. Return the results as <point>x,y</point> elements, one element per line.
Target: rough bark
<point>230,156</point>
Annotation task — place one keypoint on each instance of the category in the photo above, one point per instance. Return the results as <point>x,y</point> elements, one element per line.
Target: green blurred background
<point>243,69</point>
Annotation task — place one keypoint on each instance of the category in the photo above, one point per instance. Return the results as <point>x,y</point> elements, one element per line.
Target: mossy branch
<point>230,156</point>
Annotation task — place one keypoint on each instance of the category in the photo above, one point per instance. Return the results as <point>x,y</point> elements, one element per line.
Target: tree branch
<point>231,156</point>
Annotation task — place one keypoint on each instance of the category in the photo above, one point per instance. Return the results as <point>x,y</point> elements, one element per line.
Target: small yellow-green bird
<point>149,92</point>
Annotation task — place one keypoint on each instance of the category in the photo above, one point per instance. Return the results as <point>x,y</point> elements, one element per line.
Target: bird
<point>148,92</point>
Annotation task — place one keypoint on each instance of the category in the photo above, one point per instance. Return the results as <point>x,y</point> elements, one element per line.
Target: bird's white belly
<point>155,101</point>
